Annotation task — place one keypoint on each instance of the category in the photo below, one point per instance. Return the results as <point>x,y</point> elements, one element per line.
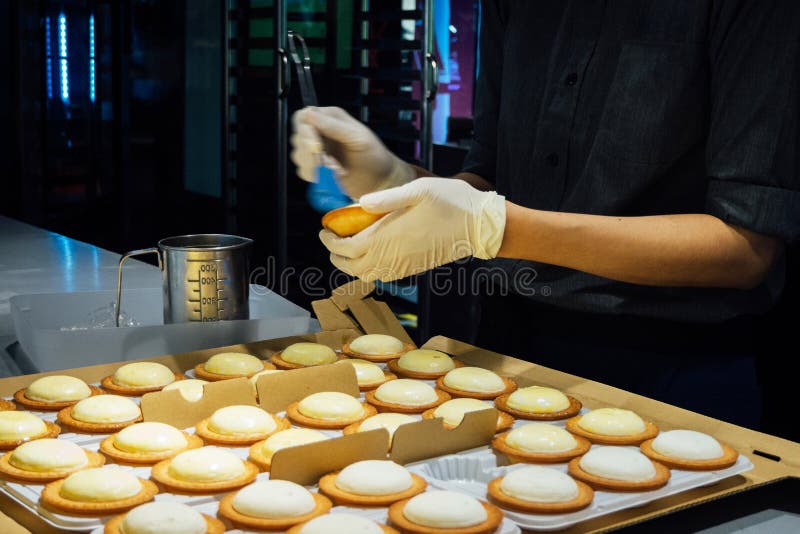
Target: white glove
<point>430,222</point>
<point>361,162</point>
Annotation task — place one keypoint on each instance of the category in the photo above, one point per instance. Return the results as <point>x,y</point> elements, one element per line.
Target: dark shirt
<point>642,107</point>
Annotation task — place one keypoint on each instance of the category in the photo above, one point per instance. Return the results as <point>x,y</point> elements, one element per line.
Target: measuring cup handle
<point>124,257</point>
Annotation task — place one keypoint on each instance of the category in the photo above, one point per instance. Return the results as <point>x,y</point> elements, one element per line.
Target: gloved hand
<point>430,222</point>
<point>361,161</point>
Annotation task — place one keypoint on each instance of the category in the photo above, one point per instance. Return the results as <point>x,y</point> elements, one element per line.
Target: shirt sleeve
<point>482,156</point>
<point>754,143</point>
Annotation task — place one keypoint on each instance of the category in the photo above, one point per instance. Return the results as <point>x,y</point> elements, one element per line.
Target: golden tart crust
<point>397,519</point>
<point>7,405</point>
<point>322,505</point>
<point>518,456</point>
<point>650,431</point>
<point>66,419</point>
<point>610,484</point>
<point>213,525</point>
<point>297,529</point>
<point>574,409</point>
<point>377,358</point>
<point>280,363</point>
<point>408,373</point>
<point>584,499</point>
<point>504,420</point>
<point>40,477</point>
<point>131,391</point>
<point>43,406</point>
<point>52,430</point>
<point>293,413</point>
<point>52,498</point>
<point>327,485</point>
<point>108,448</point>
<point>200,372</point>
<point>728,458</point>
<point>214,438</point>
<point>382,406</point>
<point>160,473</point>
<point>510,387</point>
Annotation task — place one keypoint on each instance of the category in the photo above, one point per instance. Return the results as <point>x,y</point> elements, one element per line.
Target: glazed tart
<point>138,378</point>
<point>423,364</point>
<point>261,453</point>
<point>7,405</point>
<point>205,470</point>
<point>368,374</point>
<point>230,365</point>
<point>612,426</point>
<point>619,469</point>
<point>17,427</point>
<point>164,516</point>
<point>191,389</point>
<point>389,421</point>
<point>340,523</point>
<point>98,491</point>
<point>100,414</point>
<point>349,220</point>
<point>301,355</point>
<point>376,348</point>
<point>540,443</point>
<point>371,483</point>
<point>148,443</point>
<point>435,512</point>
<point>239,425</point>
<point>406,395</point>
<point>540,490</point>
<point>475,383</point>
<point>54,392</point>
<point>689,450</point>
<point>47,459</point>
<point>453,412</point>
<point>539,403</point>
<point>272,505</point>
<point>329,410</point>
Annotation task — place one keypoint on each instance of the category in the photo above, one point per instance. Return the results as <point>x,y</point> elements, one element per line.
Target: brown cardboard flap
<point>276,391</point>
<point>375,317</point>
<point>170,407</point>
<point>428,438</point>
<point>330,317</point>
<point>305,464</point>
<point>351,292</point>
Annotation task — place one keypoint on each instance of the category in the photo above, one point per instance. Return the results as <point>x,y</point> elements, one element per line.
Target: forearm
<point>476,181</point>
<point>660,250</point>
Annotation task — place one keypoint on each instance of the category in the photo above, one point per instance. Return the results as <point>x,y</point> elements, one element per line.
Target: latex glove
<point>430,222</point>
<point>360,160</point>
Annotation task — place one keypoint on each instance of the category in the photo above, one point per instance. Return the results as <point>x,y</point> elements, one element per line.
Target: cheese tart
<point>405,395</point>
<point>329,410</point>
<point>371,483</point>
<point>299,355</point>
<point>227,365</point>
<point>272,505</point>
<point>98,491</point>
<point>190,389</point>
<point>475,383</point>
<point>376,348</point>
<point>47,459</point>
<point>619,469</point>
<point>138,378</point>
<point>612,426</point>
<point>389,421</point>
<point>540,490</point>
<point>539,404</point>
<point>347,221</point>
<point>54,392</point>
<point>7,405</point>
<point>445,512</point>
<point>205,470</point>
<point>261,453</point>
<point>689,450</point>
<point>239,425</point>
<point>148,443</point>
<point>17,427</point>
<point>540,443</point>
<point>452,412</point>
<point>368,374</point>
<point>423,364</point>
<point>340,523</point>
<point>101,414</point>
<point>164,517</point>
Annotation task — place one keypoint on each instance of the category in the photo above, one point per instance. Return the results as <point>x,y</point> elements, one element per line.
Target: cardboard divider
<point>276,391</point>
<point>351,292</point>
<point>375,317</point>
<point>170,407</point>
<point>331,317</point>
<point>305,464</point>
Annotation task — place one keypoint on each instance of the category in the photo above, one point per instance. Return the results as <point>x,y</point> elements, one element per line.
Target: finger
<point>347,247</point>
<point>304,169</point>
<point>332,125</point>
<point>346,265</point>
<point>392,199</point>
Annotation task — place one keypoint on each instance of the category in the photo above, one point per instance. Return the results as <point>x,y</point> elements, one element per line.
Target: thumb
<point>392,199</point>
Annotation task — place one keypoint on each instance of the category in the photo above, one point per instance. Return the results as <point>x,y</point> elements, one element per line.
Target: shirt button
<point>571,79</point>
<point>552,159</point>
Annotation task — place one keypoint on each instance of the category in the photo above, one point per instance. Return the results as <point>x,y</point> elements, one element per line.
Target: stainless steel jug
<point>205,277</point>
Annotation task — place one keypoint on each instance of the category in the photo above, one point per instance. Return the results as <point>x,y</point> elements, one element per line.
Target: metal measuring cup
<point>205,277</point>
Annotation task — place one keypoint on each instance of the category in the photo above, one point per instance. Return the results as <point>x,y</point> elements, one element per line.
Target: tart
<point>540,443</point>
<point>376,348</point>
<point>101,414</point>
<point>539,404</point>
<point>17,427</point>
<point>475,383</point>
<point>98,491</point>
<point>54,392</point>
<point>347,221</point>
<point>440,512</point>
<point>341,523</point>
<point>238,425</point>
<point>424,364</point>
<point>329,410</point>
<point>540,490</point>
<point>164,516</point>
<point>272,505</point>
<point>148,443</point>
<point>191,389</point>
<point>406,395</point>
<point>227,365</point>
<point>47,459</point>
<point>305,354</point>
<point>368,374</point>
<point>7,405</point>
<point>619,469</point>
<point>371,483</point>
<point>205,470</point>
<point>612,426</point>
<point>453,412</point>
<point>689,450</point>
<point>389,421</point>
<point>138,378</point>
<point>261,453</point>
